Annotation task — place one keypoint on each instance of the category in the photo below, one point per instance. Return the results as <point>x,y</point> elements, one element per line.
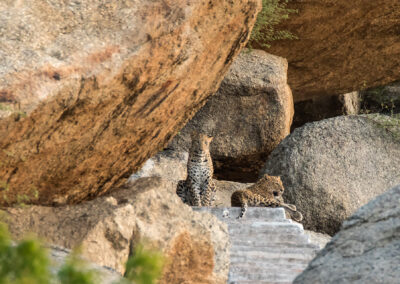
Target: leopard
<point>266,192</point>
<point>198,189</point>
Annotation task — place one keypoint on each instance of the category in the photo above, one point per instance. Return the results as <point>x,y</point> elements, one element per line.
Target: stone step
<point>231,213</point>
<point>259,282</point>
<point>246,273</point>
<point>262,227</point>
<point>245,221</point>
<point>276,249</point>
<point>266,257</point>
<point>257,243</point>
<point>266,271</point>
<point>266,247</point>
<point>288,264</point>
<point>265,239</point>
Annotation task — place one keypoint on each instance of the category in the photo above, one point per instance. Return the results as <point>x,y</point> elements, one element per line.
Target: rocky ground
<point>98,101</point>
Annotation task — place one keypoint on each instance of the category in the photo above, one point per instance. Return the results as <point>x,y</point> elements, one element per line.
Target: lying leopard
<point>266,192</point>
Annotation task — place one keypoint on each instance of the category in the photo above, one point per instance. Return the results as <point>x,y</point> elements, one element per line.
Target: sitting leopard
<point>198,189</point>
<point>266,192</point>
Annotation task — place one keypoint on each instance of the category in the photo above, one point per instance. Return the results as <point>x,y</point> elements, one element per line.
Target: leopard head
<point>201,141</point>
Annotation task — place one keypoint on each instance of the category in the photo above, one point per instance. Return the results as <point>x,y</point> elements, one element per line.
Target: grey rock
<point>319,239</point>
<point>366,250</point>
<point>248,116</point>
<point>332,167</point>
<point>169,165</point>
<point>106,275</point>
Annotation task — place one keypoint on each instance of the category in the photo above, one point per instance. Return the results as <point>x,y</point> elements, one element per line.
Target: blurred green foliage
<point>75,271</point>
<point>24,263</point>
<point>144,266</point>
<point>27,262</point>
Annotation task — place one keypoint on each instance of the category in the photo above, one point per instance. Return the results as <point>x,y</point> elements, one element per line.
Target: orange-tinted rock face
<point>189,260</point>
<point>104,85</point>
<point>343,46</point>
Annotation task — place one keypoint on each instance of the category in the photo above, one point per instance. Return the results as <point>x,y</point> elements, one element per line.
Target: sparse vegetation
<point>27,262</point>
<point>75,270</point>
<point>389,122</point>
<point>264,31</point>
<point>9,109</point>
<point>144,266</point>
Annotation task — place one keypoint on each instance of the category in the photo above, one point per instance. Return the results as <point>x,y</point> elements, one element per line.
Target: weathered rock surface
<point>318,239</point>
<point>170,165</point>
<point>332,167</point>
<point>248,116</point>
<point>320,108</point>
<point>59,255</point>
<point>343,46</point>
<point>197,245</point>
<point>384,99</point>
<point>366,250</point>
<point>104,86</point>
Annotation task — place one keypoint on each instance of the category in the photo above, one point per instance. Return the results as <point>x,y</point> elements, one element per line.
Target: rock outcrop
<point>320,108</point>
<point>97,87</point>
<point>332,167</point>
<point>342,46</point>
<point>367,248</point>
<point>248,116</point>
<point>196,245</point>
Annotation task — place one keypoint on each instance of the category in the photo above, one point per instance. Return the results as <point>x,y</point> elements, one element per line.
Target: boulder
<point>195,244</point>
<point>342,46</point>
<point>367,248</point>
<point>98,87</point>
<point>248,116</point>
<point>332,167</point>
<point>320,108</point>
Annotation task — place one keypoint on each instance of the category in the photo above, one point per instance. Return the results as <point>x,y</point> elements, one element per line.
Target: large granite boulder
<point>342,46</point>
<point>332,167</point>
<point>367,248</point>
<point>196,245</point>
<point>97,87</point>
<point>248,116</point>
